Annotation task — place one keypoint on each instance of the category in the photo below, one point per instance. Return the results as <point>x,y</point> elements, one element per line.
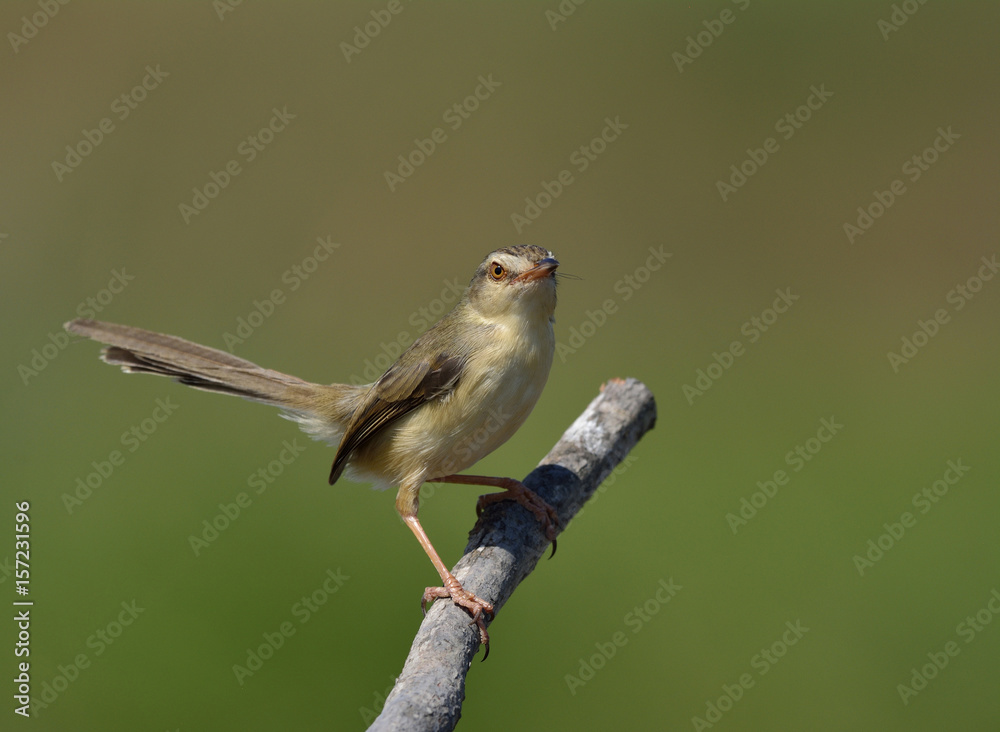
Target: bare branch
<point>504,547</point>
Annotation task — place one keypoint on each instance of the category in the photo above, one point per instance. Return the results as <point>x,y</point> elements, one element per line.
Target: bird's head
<point>517,281</point>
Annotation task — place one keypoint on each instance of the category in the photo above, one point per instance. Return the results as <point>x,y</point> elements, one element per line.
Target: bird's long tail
<point>143,351</point>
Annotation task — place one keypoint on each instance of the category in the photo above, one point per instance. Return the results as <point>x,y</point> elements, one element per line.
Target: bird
<point>479,370</point>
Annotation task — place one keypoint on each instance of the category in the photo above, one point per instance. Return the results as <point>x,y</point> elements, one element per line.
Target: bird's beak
<point>543,269</point>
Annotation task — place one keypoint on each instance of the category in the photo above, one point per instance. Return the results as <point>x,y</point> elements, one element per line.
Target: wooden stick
<point>504,547</point>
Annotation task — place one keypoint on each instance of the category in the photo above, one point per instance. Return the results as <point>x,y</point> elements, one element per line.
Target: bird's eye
<point>497,271</point>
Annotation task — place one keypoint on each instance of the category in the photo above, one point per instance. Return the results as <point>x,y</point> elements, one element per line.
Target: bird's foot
<point>515,490</point>
<point>479,609</point>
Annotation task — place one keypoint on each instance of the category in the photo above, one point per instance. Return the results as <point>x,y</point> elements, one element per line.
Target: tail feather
<point>142,351</point>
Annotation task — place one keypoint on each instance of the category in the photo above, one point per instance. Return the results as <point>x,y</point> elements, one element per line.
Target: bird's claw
<point>480,610</point>
<point>524,496</point>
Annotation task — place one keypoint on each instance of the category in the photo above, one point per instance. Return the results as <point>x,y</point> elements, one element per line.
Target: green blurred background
<point>887,88</point>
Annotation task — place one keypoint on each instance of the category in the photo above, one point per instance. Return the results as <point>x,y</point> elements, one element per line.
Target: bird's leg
<point>514,490</point>
<point>478,608</point>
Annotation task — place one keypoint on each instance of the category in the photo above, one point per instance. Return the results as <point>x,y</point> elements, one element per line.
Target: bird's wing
<point>400,390</point>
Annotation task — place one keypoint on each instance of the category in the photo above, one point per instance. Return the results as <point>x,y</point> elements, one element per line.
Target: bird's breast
<point>498,387</point>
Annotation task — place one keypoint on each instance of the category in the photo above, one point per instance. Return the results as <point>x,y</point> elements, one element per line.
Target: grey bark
<point>504,547</point>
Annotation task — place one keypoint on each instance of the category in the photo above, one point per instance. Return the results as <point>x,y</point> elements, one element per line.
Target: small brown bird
<point>479,370</point>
